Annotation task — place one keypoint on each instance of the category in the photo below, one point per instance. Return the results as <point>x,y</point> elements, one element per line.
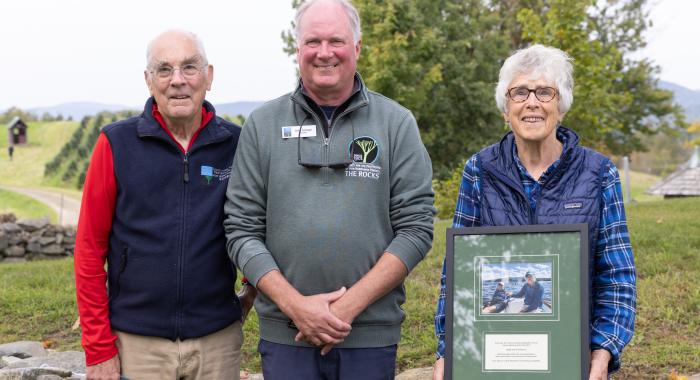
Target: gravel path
<point>67,208</point>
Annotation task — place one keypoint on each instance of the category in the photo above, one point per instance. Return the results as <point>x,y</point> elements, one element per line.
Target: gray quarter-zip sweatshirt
<point>325,228</point>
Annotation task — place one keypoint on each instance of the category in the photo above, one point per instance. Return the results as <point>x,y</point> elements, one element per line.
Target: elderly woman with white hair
<point>538,174</point>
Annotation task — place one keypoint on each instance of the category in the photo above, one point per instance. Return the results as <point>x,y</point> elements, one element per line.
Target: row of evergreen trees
<point>70,165</point>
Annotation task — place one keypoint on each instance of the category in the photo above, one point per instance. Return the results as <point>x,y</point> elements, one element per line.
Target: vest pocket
<point>123,261</point>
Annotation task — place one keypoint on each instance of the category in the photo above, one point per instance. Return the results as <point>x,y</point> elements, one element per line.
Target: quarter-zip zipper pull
<point>186,176</point>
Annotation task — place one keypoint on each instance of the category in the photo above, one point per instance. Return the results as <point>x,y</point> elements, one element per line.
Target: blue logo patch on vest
<point>208,173</point>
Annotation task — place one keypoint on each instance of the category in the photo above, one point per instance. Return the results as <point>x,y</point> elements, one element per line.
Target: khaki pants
<point>214,356</point>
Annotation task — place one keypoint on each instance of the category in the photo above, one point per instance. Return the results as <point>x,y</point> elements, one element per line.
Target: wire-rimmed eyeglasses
<point>189,70</point>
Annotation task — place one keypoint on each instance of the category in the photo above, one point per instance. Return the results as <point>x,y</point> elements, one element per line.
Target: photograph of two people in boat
<point>516,288</point>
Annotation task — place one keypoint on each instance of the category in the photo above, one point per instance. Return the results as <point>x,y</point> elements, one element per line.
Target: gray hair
<point>187,33</point>
<point>538,61</point>
<point>350,11</point>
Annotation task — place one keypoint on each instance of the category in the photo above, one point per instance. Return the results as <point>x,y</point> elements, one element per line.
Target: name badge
<point>292,131</point>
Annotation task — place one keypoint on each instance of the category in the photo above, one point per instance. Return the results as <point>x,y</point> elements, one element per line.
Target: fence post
<point>626,168</point>
<point>60,212</point>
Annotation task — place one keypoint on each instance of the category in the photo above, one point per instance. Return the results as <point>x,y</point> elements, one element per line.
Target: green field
<point>37,300</point>
<point>24,207</point>
<point>27,165</point>
<point>667,251</point>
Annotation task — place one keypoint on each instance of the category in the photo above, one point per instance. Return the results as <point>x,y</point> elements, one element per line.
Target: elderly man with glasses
<point>153,209</point>
<point>329,208</point>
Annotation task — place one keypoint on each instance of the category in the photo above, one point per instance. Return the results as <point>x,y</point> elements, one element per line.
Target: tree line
<point>441,58</point>
<point>26,116</point>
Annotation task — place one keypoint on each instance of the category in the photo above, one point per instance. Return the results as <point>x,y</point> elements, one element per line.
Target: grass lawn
<point>27,165</point>
<point>24,207</point>
<point>37,301</point>
<point>666,238</point>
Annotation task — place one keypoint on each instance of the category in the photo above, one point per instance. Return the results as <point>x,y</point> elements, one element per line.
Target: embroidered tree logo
<point>369,148</point>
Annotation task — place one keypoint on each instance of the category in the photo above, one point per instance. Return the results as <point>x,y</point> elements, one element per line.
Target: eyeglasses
<point>333,165</point>
<point>166,72</point>
<point>543,94</point>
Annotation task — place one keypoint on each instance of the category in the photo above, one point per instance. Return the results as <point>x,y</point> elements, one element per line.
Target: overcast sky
<point>77,50</point>
<point>674,41</point>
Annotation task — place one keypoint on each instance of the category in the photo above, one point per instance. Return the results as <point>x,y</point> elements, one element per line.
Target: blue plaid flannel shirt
<point>613,285</point>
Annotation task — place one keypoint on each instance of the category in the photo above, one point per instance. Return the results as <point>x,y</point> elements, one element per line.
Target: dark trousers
<point>283,362</point>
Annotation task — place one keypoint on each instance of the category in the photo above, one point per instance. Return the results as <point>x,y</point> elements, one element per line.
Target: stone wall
<point>31,361</point>
<point>34,239</point>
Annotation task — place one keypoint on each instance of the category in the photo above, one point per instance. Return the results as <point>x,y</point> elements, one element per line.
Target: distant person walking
<point>10,151</point>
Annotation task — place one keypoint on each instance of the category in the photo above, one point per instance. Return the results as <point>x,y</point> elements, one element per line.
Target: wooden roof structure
<point>15,123</point>
<point>16,132</point>
<point>684,182</point>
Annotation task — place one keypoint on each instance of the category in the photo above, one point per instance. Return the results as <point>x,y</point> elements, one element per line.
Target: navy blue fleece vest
<point>169,274</point>
<point>572,193</point>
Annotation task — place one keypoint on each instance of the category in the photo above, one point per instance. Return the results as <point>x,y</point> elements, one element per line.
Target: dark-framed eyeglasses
<point>345,163</point>
<point>543,94</point>
<point>189,71</point>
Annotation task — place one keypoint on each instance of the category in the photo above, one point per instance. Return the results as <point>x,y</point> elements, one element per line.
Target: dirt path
<point>67,208</point>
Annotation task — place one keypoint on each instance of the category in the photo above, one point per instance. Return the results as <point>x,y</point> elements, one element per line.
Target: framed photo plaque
<point>517,303</point>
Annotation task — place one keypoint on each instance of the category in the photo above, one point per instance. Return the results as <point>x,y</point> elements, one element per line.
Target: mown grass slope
<point>27,166</point>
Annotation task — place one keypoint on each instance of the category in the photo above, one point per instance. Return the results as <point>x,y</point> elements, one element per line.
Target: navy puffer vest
<point>571,194</point>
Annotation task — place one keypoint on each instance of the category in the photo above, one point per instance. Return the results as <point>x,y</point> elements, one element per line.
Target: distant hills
<point>237,108</point>
<point>686,98</point>
<point>78,110</point>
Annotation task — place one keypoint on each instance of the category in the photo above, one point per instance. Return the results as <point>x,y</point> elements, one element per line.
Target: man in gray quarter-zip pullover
<point>328,209</point>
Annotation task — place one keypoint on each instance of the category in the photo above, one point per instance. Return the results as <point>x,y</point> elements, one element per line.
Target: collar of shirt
<point>319,107</point>
<point>532,187</point>
<point>328,111</point>
<point>206,118</point>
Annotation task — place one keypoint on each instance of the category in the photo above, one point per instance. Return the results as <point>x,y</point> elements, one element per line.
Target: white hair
<point>538,61</point>
<point>187,33</point>
<point>350,11</point>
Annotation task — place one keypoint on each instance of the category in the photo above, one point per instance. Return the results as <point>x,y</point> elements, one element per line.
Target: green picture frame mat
<point>575,364</point>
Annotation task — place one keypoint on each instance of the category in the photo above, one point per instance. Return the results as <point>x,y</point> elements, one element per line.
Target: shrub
<point>446,192</point>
